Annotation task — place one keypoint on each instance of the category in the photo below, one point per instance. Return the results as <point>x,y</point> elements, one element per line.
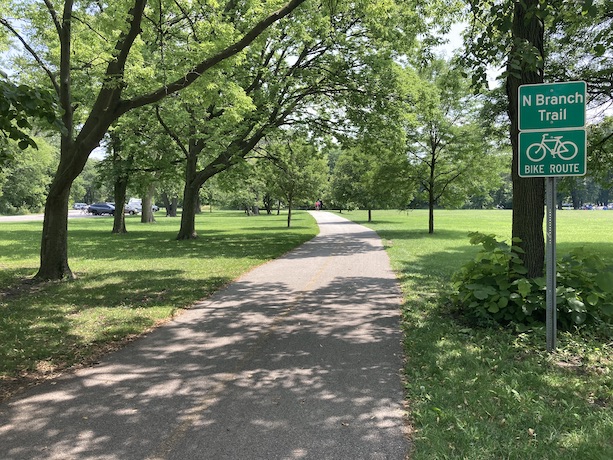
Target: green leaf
<point>578,317</point>
<point>576,305</point>
<point>599,49</point>
<point>592,299</point>
<point>520,269</point>
<point>604,280</point>
<point>607,309</point>
<point>23,144</point>
<point>524,287</point>
<point>481,294</point>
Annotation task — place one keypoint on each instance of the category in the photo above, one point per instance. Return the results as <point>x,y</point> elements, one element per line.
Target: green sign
<point>552,153</point>
<point>552,106</point>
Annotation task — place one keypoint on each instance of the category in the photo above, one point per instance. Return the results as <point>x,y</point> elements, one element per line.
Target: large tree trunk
<point>187,231</point>
<point>188,216</point>
<point>528,194</point>
<point>54,244</point>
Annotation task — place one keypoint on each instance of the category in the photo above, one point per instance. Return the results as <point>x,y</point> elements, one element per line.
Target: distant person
<point>317,205</point>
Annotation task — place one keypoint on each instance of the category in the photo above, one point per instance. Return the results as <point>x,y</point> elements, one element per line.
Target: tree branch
<point>30,50</point>
<point>191,76</point>
<point>170,132</point>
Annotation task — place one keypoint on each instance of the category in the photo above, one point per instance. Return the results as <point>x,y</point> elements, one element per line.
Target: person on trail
<point>317,205</point>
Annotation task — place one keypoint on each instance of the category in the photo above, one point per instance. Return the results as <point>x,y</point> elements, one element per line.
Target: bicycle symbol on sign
<point>554,145</point>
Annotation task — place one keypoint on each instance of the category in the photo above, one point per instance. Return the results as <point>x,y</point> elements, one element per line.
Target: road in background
<point>33,217</point>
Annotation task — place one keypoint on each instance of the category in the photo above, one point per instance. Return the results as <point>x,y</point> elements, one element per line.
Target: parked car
<point>98,209</point>
<point>131,209</point>
<point>137,205</point>
<point>80,206</point>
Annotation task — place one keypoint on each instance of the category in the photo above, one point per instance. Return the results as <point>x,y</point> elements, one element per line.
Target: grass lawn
<point>490,393</point>
<point>126,283</point>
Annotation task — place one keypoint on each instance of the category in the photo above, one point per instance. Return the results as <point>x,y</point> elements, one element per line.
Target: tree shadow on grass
<point>47,327</point>
<point>134,245</point>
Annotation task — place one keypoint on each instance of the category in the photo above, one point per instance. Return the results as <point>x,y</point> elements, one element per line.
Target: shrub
<point>494,287</point>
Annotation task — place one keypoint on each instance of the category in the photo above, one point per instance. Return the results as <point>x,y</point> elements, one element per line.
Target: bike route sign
<point>552,153</point>
<point>552,138</point>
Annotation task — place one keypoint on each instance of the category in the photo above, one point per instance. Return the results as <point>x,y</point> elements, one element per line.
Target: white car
<point>80,206</point>
<point>135,205</point>
<point>131,209</point>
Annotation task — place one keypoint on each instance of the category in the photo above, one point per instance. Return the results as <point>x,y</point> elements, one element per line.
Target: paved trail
<point>299,359</point>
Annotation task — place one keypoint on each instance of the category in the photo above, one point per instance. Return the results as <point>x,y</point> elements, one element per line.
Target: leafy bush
<point>494,287</point>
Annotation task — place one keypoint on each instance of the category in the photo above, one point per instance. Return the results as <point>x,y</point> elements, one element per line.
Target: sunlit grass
<point>490,393</point>
<point>125,284</point>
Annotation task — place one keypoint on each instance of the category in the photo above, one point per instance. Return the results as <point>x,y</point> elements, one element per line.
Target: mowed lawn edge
<point>490,393</point>
<point>126,284</point>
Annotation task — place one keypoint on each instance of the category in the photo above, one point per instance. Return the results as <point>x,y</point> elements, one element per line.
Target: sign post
<point>551,320</point>
<point>552,144</point>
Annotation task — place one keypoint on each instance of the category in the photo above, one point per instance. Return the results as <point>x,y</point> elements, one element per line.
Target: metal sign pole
<point>551,314</point>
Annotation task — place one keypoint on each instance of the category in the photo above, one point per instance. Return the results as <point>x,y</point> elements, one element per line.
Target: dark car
<point>98,209</point>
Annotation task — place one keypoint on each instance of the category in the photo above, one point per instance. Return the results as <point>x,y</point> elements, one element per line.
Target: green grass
<point>489,393</point>
<point>126,283</point>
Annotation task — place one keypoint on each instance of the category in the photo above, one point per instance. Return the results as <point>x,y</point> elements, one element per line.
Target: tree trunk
<point>54,241</point>
<point>268,202</point>
<point>170,204</point>
<point>289,212</point>
<point>431,185</point>
<point>174,204</point>
<point>54,244</point>
<point>576,199</point>
<point>369,215</point>
<point>187,231</point>
<point>147,216</point>
<point>528,194</point>
<point>119,221</point>
<point>431,202</point>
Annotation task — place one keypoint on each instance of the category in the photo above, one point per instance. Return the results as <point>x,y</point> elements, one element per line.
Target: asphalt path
<point>301,358</point>
<point>34,217</point>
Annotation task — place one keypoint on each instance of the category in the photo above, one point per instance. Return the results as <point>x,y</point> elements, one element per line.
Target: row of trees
<point>199,88</point>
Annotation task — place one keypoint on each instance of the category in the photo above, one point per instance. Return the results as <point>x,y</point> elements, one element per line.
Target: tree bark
<point>54,240</point>
<point>170,204</point>
<point>147,216</point>
<point>187,231</point>
<point>528,194</point>
<point>431,209</point>
<point>431,185</point>
<point>289,212</point>
<point>119,221</point>
<point>54,243</point>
